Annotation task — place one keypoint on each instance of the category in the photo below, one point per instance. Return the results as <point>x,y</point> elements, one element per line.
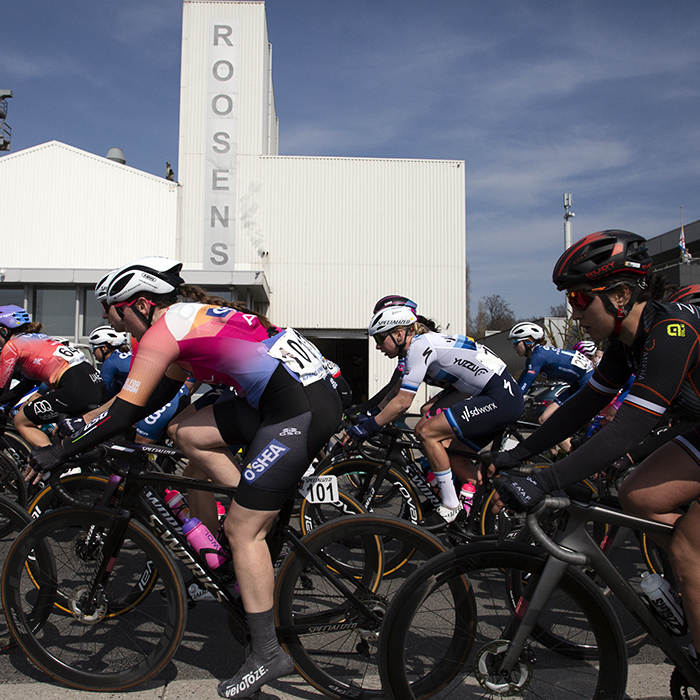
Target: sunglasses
<point>379,338</point>
<point>119,308</point>
<point>581,298</point>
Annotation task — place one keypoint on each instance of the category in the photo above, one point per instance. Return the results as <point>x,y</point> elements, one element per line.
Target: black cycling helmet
<point>394,300</point>
<point>601,255</point>
<point>690,294</point>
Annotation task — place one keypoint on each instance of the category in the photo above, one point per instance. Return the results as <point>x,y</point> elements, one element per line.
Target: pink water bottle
<point>177,503</point>
<point>466,495</point>
<point>199,537</point>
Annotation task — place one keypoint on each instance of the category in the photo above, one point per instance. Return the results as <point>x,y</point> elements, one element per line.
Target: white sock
<point>447,488</point>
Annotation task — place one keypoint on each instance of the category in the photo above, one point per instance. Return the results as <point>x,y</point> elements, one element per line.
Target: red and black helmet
<point>601,255</point>
<point>690,294</point>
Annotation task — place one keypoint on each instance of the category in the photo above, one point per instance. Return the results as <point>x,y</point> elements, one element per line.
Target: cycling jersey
<point>38,357</point>
<point>665,359</point>
<point>152,427</point>
<point>114,371</point>
<point>217,345</point>
<point>454,361</point>
<point>568,366</point>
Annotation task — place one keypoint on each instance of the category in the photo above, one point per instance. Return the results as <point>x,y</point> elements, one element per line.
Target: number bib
<point>301,356</point>
<point>320,489</point>
<point>70,355</point>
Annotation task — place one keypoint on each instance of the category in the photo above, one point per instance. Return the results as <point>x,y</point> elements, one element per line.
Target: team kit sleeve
<point>418,359</point>
<point>671,349</point>
<point>157,351</point>
<point>8,360</point>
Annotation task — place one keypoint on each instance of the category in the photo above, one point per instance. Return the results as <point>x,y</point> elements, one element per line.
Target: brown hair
<point>201,296</point>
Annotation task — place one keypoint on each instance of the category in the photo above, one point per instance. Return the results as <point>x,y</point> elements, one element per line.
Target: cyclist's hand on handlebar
<point>520,493</point>
<point>493,462</point>
<point>367,429</point>
<point>69,426</point>
<point>42,460</point>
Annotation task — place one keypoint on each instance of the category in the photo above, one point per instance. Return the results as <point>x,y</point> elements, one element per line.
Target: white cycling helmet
<point>525,330</point>
<point>154,275</point>
<point>106,335</point>
<point>102,286</point>
<point>586,347</point>
<point>390,318</point>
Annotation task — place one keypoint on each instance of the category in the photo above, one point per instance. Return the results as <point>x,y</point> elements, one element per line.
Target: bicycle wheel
<point>96,645</point>
<point>12,484</point>
<point>396,497</point>
<point>88,487</point>
<point>431,647</point>
<point>332,641</point>
<point>13,519</point>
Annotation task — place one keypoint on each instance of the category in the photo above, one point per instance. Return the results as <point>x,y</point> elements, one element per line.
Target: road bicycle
<point>96,599</point>
<point>482,620</point>
<point>13,456</point>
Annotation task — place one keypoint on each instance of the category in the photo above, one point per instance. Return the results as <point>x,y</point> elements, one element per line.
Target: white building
<point>312,241</point>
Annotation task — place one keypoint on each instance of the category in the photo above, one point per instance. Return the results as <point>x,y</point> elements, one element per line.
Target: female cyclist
<point>74,384</point>
<point>568,366</point>
<point>613,296</point>
<point>480,397</point>
<point>285,409</point>
<point>111,349</point>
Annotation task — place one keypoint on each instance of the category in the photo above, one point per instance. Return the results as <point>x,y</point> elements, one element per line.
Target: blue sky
<point>538,97</point>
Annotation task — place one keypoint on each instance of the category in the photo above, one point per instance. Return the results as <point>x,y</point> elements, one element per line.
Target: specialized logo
<point>467,414</point>
<point>290,431</point>
<point>507,386</point>
<point>264,461</point>
<point>676,329</point>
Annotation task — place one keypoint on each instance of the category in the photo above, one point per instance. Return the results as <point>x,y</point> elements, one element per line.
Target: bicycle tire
<point>13,519</point>
<point>332,643</point>
<point>92,649</point>
<point>12,483</point>
<point>429,649</point>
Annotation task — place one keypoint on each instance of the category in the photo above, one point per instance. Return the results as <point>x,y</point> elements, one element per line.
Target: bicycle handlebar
<point>77,461</point>
<point>566,555</point>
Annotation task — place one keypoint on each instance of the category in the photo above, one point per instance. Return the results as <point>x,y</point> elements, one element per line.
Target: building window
<point>12,296</point>
<point>55,308</point>
<point>92,312</point>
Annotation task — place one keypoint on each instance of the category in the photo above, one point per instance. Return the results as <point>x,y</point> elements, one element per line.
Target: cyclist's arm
<point>377,399</point>
<point>395,408</point>
<point>12,396</point>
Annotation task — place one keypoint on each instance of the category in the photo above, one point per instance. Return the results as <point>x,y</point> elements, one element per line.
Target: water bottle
<point>466,495</point>
<point>665,602</point>
<point>199,537</point>
<point>177,503</point>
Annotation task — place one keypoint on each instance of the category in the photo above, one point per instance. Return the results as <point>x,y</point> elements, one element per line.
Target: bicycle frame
<point>142,501</point>
<point>573,536</point>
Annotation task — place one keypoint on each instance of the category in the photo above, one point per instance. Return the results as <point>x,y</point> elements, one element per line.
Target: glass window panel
<point>92,312</point>
<point>12,295</point>
<point>55,308</point>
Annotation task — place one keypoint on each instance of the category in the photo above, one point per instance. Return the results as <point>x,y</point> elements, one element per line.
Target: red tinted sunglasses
<point>581,298</point>
<point>119,308</point>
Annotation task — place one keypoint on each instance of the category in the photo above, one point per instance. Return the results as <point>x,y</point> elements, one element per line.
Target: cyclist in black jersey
<point>614,295</point>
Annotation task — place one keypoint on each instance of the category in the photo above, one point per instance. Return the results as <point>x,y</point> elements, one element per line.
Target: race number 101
<point>320,489</point>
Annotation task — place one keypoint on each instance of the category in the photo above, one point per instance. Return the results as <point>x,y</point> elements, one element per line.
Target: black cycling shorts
<point>79,389</point>
<point>477,420</point>
<point>284,435</point>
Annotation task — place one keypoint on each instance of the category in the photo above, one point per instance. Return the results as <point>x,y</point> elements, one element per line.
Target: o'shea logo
<point>676,330</point>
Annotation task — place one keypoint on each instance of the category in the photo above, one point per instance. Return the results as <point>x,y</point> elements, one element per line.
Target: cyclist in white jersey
<point>479,399</point>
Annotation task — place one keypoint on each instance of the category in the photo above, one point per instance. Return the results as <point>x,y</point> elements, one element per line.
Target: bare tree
<point>494,315</point>
<point>558,311</point>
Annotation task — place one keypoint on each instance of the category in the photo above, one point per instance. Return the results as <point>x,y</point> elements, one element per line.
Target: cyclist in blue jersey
<point>479,398</point>
<point>111,349</point>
